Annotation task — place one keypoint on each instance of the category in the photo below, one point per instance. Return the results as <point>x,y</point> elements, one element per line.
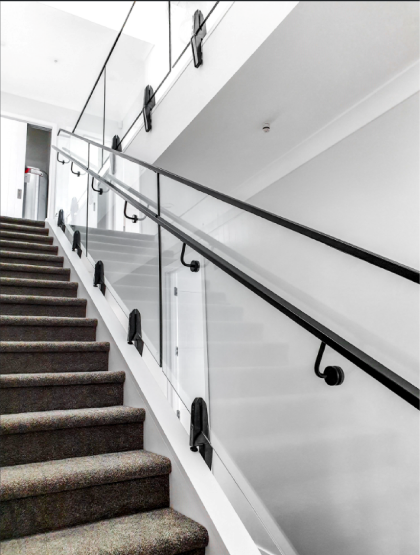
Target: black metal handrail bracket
<point>194,265</point>
<point>134,218</point>
<point>75,173</point>
<point>362,254</point>
<point>100,190</point>
<point>362,360</point>
<point>62,161</point>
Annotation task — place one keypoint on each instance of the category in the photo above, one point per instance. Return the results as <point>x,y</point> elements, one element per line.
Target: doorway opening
<point>25,162</point>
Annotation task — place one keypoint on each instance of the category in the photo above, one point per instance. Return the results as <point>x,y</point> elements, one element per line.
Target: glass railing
<point>310,469</point>
<point>151,49</point>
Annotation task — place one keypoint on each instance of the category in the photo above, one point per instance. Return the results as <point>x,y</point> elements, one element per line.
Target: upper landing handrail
<point>362,254</point>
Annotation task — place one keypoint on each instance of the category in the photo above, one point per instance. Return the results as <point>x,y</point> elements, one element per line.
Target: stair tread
<point>24,228</point>
<point>25,245</point>
<point>47,346</point>
<point>27,422</point>
<point>56,321</point>
<point>30,256</point>
<point>35,299</point>
<point>52,283</point>
<point>29,480</point>
<point>22,221</point>
<point>60,379</point>
<point>33,268</point>
<point>21,236</point>
<point>159,532</point>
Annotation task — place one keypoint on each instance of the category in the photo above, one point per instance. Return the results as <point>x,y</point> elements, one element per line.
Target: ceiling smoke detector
<point>266,127</point>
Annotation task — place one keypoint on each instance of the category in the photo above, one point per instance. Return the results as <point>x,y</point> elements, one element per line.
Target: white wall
<point>324,460</point>
<point>243,28</point>
<point>13,152</point>
<point>33,109</point>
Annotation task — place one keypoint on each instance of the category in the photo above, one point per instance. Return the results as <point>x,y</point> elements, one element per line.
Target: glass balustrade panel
<point>321,465</point>
<point>140,58</point>
<point>185,348</point>
<point>71,190</point>
<point>130,255</point>
<point>91,124</point>
<point>139,183</point>
<point>370,307</point>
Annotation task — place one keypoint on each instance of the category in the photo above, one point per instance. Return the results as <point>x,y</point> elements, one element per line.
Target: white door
<point>189,347</point>
<point>13,154</point>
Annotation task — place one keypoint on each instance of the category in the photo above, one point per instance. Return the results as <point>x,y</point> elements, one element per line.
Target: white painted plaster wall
<point>242,30</point>
<point>323,460</point>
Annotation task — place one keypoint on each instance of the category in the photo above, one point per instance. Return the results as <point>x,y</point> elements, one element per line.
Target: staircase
<point>75,477</point>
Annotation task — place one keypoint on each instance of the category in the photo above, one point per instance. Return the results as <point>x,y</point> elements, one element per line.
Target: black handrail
<point>381,373</point>
<point>362,254</point>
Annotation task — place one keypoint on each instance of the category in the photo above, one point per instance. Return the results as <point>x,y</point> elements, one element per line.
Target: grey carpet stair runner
<point>75,478</point>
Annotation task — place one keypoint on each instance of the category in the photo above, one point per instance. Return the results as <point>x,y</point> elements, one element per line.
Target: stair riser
<point>38,363</point>
<point>47,333</point>
<point>36,399</point>
<point>74,442</point>
<point>42,310</point>
<point>35,275</point>
<point>31,249</point>
<point>31,515</point>
<point>37,291</point>
<point>31,262</point>
<point>12,236</point>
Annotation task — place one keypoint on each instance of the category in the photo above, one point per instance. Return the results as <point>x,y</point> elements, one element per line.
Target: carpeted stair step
<point>26,237</point>
<point>60,391</point>
<point>60,434</point>
<point>10,257</point>
<point>24,247</point>
<point>45,496</point>
<point>38,287</point>
<point>24,228</point>
<point>159,532</point>
<point>30,271</point>
<point>31,305</point>
<point>20,357</point>
<point>47,328</point>
<point>21,221</point>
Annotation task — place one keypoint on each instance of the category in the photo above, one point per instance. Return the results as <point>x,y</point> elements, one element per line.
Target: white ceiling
<point>323,59</point>
<point>54,56</point>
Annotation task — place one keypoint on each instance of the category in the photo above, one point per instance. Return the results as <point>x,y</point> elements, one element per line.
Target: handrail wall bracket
<point>134,217</point>
<point>62,161</point>
<point>332,375</point>
<point>100,190</point>
<point>194,266</point>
